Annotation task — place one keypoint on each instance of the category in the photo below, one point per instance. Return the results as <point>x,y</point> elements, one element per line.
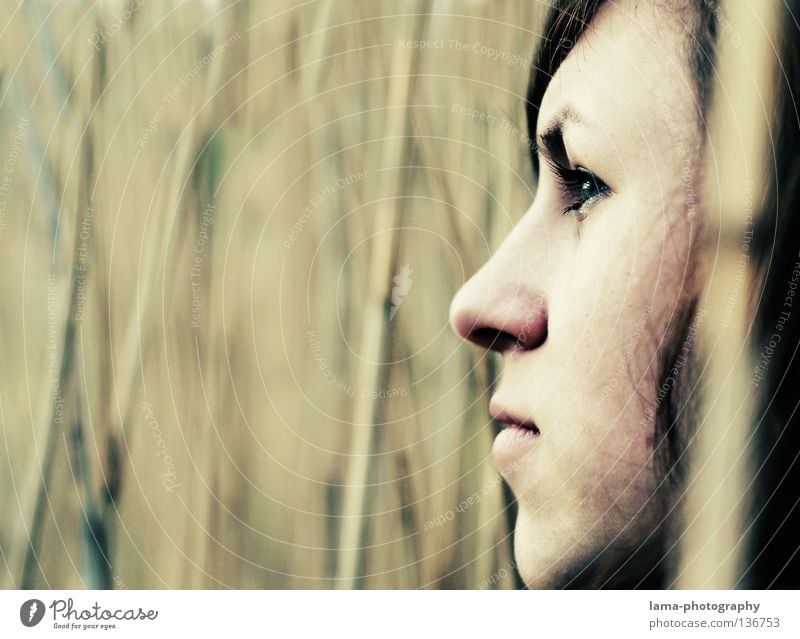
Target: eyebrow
<point>551,141</point>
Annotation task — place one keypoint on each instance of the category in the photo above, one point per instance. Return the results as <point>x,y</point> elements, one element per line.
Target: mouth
<point>514,441</point>
<point>513,421</point>
<point>527,430</point>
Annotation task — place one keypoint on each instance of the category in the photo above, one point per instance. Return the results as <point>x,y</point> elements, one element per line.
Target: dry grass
<point>140,450</point>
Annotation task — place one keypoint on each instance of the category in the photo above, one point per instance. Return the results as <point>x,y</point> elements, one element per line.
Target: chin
<point>550,556</point>
<point>542,553</point>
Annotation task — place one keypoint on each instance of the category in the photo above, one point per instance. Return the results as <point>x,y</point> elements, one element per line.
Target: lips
<point>529,430</point>
<point>515,441</point>
<point>512,420</point>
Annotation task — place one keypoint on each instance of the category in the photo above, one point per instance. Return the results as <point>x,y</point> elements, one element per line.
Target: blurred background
<point>231,232</point>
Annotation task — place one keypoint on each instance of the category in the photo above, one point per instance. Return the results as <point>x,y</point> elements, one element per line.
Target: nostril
<point>492,339</point>
<point>521,332</point>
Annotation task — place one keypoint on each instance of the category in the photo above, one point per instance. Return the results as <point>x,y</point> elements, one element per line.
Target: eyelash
<point>572,183</point>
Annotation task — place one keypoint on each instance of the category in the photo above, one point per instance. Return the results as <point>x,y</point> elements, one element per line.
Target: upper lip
<point>509,417</point>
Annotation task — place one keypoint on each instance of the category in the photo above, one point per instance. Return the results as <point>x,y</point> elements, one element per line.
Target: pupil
<point>586,190</point>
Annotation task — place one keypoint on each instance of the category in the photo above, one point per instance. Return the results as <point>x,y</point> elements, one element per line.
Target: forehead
<point>629,67</point>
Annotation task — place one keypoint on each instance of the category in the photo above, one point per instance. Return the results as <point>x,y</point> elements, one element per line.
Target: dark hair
<point>568,19</point>
<point>648,564</point>
<point>774,543</point>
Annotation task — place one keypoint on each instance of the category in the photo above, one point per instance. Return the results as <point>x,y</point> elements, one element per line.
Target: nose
<point>501,309</point>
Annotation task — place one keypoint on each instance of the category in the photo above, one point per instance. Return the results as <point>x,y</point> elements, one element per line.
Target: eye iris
<point>579,187</point>
<point>587,191</point>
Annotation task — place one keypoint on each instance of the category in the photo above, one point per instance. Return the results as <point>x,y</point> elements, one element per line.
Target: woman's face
<point>579,297</point>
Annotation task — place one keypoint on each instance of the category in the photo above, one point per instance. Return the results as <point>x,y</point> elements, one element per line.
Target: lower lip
<point>511,445</point>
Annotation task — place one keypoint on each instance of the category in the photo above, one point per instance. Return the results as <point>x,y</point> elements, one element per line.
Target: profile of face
<point>579,298</point>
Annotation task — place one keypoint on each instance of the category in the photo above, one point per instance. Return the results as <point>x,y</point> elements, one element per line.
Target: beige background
<point>222,454</point>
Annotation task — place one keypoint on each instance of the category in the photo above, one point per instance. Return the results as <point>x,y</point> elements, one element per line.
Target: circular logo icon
<point>31,612</point>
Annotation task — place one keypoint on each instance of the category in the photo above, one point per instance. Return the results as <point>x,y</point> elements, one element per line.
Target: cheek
<point>618,283</point>
<point>606,327</point>
<point>607,279</point>
<point>631,258</point>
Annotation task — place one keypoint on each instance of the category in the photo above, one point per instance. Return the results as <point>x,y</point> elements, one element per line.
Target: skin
<point>579,309</point>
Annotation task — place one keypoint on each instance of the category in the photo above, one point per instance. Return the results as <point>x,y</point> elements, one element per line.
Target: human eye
<point>580,189</point>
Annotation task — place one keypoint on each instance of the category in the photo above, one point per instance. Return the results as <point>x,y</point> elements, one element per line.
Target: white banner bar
<point>401,614</point>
